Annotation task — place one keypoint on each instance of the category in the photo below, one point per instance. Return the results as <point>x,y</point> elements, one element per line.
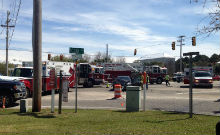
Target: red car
<point>216,78</point>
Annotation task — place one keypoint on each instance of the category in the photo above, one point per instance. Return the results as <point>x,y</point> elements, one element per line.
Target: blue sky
<point>150,26</point>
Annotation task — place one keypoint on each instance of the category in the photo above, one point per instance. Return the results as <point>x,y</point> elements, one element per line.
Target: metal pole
<point>181,61</point>
<point>37,55</point>
<point>106,53</point>
<point>52,100</point>
<point>190,88</point>
<point>7,32</point>
<point>8,13</point>
<point>181,45</point>
<point>76,89</point>
<point>60,92</point>
<point>144,86</point>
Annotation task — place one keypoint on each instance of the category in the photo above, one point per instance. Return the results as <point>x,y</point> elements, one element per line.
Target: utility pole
<point>181,45</point>
<point>106,53</point>
<point>37,54</point>
<point>7,32</point>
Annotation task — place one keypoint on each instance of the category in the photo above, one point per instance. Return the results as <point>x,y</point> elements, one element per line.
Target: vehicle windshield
<point>23,72</point>
<point>127,78</point>
<point>202,74</point>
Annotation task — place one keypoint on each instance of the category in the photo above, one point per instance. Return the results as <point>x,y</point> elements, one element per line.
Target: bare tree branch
<point>213,17</point>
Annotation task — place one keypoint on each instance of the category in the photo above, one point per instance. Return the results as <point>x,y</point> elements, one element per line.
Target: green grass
<point>105,122</point>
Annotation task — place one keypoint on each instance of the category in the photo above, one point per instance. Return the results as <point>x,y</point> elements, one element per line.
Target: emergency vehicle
<point>196,69</point>
<point>89,75</point>
<point>112,70</point>
<point>25,74</point>
<point>156,73</point>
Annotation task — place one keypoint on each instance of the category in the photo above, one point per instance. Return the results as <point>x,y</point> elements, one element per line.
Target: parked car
<point>11,91</point>
<point>178,77</point>
<point>123,80</point>
<point>216,78</point>
<point>202,79</point>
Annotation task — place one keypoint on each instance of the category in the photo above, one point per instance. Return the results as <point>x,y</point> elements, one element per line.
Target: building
<point>167,60</point>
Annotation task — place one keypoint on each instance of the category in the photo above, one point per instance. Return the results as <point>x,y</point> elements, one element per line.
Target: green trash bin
<point>133,99</point>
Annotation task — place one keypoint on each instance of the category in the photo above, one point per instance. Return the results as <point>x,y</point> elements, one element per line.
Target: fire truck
<point>156,73</point>
<point>112,70</point>
<point>25,74</point>
<point>89,75</point>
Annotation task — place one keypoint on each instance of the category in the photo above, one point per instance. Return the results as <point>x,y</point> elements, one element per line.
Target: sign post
<point>52,85</point>
<point>65,90</point>
<point>76,96</point>
<point>144,87</point>
<point>60,92</point>
<point>76,54</point>
<point>190,54</point>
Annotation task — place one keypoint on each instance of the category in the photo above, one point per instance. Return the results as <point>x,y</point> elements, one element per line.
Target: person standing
<point>167,78</point>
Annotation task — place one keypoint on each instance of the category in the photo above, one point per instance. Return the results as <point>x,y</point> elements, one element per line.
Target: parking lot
<point>159,97</point>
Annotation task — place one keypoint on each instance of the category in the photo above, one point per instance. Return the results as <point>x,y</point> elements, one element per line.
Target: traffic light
<point>61,57</point>
<point>173,45</point>
<point>49,56</point>
<point>193,41</point>
<point>135,52</point>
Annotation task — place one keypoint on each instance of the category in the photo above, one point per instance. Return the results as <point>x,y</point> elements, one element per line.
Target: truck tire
<point>85,85</point>
<point>29,93</point>
<point>159,80</point>
<point>26,94</point>
<point>90,83</point>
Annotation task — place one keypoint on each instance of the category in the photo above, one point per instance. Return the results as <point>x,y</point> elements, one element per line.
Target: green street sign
<point>76,50</point>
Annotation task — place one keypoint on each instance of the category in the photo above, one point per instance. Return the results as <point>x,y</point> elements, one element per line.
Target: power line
<point>15,22</point>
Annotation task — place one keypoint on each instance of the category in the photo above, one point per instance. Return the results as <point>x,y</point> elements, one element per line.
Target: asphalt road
<point>159,97</point>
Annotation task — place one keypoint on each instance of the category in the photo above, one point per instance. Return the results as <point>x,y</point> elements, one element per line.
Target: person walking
<point>142,80</point>
<point>167,78</point>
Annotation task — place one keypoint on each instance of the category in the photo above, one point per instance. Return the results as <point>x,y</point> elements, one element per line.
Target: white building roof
<point>158,55</point>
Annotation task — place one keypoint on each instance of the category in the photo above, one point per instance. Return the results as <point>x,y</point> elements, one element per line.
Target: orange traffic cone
<point>3,103</point>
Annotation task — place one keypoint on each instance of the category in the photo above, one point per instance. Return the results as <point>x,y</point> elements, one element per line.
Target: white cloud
<point>198,10</point>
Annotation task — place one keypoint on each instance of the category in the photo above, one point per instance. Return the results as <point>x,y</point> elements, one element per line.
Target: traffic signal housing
<point>135,52</point>
<point>193,41</point>
<point>49,56</point>
<point>173,45</point>
<point>61,57</point>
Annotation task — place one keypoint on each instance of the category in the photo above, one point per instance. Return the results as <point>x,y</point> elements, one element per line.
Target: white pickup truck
<point>201,78</point>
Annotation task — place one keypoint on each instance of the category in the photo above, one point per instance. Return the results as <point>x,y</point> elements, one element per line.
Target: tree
<point>3,68</point>
<point>214,58</point>
<point>65,59</point>
<point>101,58</point>
<point>85,59</point>
<point>213,18</point>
